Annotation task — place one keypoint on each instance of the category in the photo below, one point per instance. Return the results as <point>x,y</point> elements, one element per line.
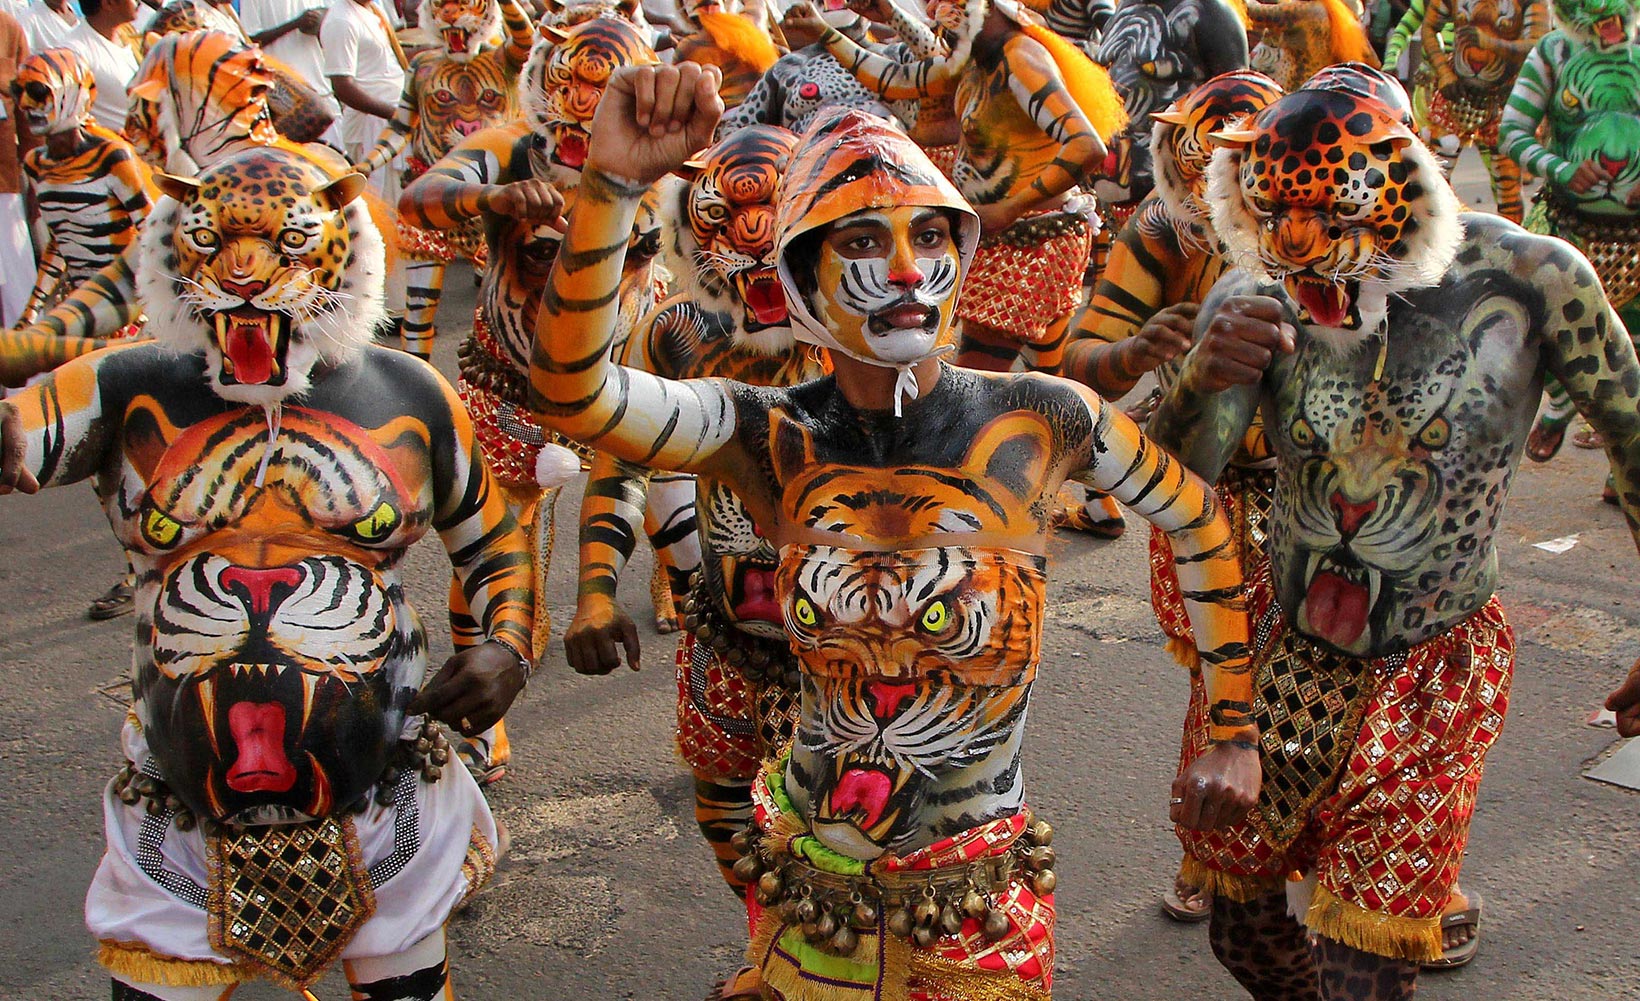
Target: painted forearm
<point>916,35</point>
<point>520,34</point>
<point>46,279</point>
<point>888,79</point>
<point>612,512</point>
<point>1435,20</point>
<point>576,388</point>
<point>1277,15</point>
<point>1148,481</point>
<point>455,189</point>
<point>64,429</point>
<point>1099,365</point>
<point>104,303</point>
<point>393,137</point>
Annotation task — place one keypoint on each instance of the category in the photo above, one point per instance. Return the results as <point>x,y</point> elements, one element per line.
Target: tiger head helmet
<point>1603,25</point>
<point>722,226</point>
<point>194,97</point>
<point>886,298</point>
<point>462,26</point>
<point>1331,194</point>
<point>267,263</point>
<point>54,91</point>
<point>563,81</point>
<point>568,13</point>
<point>1179,140</point>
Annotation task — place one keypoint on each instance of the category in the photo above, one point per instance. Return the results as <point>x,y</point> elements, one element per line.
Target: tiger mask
<point>722,226</point>
<point>1602,25</point>
<point>211,82</point>
<point>563,81</point>
<point>268,265</point>
<point>54,91</point>
<point>1328,193</point>
<point>462,26</point>
<point>1179,139</point>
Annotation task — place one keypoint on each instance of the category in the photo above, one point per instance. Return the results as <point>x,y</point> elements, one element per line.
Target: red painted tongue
<point>1610,30</point>
<point>767,301</point>
<point>250,351</point>
<point>259,732</point>
<point>1326,304</point>
<point>862,789</point>
<point>572,149</point>
<point>759,600</point>
<point>1337,609</point>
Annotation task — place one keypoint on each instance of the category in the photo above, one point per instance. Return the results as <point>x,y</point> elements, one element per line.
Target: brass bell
<point>703,632</point>
<point>439,755</point>
<point>924,937</point>
<point>926,912</point>
<point>747,868</point>
<point>154,807</point>
<point>423,745</point>
<point>973,904</point>
<point>995,928</point>
<point>770,883</point>
<point>811,931</point>
<point>1042,857</point>
<point>185,821</point>
<point>865,915</point>
<point>432,773</point>
<point>1044,882</point>
<point>900,923</point>
<point>742,840</point>
<point>844,942</point>
<point>807,911</point>
<point>1042,832</point>
<point>384,795</point>
<point>950,920</point>
<point>826,926</point>
<point>129,795</point>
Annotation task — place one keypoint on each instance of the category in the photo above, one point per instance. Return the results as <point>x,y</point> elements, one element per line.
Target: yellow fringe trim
<point>1240,7</point>
<point>970,983</point>
<point>740,37</point>
<point>136,962</point>
<point>1185,653</point>
<point>1088,83</point>
<point>1241,889</point>
<point>1415,939</point>
<point>1349,39</point>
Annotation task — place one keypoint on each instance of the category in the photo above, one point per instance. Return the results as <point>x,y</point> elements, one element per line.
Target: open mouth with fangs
<point>1324,303</point>
<point>1610,30</point>
<point>569,146</point>
<point>866,803</point>
<point>765,299</point>
<point>1338,602</point>
<point>455,39</point>
<point>253,345</point>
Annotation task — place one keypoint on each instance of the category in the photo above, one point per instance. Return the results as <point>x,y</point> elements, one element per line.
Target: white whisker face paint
<point>887,283</point>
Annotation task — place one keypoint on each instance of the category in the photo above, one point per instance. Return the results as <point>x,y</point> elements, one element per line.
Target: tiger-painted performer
<point>1035,113</point>
<point>1297,38</point>
<point>92,189</point>
<point>1583,82</point>
<point>892,853</point>
<point>1397,347</point>
<point>1419,80</point>
<point>729,320</point>
<point>514,179</point>
<point>809,79</point>
<point>727,36</point>
<point>285,801</point>
<point>1473,78</point>
<point>451,91</point>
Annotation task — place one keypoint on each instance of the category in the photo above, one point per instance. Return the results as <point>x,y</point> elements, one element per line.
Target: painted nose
<point>1301,239</point>
<point>1349,515</point>
<point>260,589</point>
<point>246,290</point>
<point>886,698</point>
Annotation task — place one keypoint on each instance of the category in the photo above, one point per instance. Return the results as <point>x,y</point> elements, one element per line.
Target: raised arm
<point>1436,16</point>
<point>396,133</point>
<point>650,120</point>
<point>520,35</point>
<point>891,80</point>
<point>1401,37</point>
<point>1035,82</point>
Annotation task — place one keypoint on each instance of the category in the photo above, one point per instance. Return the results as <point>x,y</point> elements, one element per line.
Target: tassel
<point>555,466</point>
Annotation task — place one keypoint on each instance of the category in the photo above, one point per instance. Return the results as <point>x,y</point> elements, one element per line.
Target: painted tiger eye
<point>804,612</point>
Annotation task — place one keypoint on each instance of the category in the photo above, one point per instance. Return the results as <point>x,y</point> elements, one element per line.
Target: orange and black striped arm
<point>893,81</point>
<point>1121,461</point>
<point>520,32</point>
<point>612,514</point>
<point>1437,15</point>
<point>486,547</point>
<point>1281,13</point>
<point>65,432</point>
<point>459,187</point>
<point>396,133</point>
<point>99,308</point>
<point>578,390</point>
<point>1035,82</point>
<point>46,278</point>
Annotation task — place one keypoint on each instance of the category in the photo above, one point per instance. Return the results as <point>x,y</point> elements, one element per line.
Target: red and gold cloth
<point>885,967</point>
<point>717,716</point>
<point>1022,290</point>
<point>1374,793</point>
<point>1472,119</point>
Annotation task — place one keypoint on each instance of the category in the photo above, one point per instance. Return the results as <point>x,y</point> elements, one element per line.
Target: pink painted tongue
<point>759,601</point>
<point>767,301</point>
<point>862,789</point>
<point>259,732</point>
<point>1327,304</point>
<point>1337,609</point>
<point>572,149</point>
<point>250,351</point>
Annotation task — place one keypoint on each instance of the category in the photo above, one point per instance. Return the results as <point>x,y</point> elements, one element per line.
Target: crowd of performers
<point>832,306</point>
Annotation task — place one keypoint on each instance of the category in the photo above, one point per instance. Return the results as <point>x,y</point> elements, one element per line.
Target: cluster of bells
<point>760,661</point>
<point>921,910</point>
<point>427,754</point>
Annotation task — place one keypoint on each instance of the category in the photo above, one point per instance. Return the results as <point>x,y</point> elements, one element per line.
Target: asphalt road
<point>610,893</point>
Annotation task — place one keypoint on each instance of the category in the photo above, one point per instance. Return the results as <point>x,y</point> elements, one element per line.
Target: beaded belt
<point>1611,245</point>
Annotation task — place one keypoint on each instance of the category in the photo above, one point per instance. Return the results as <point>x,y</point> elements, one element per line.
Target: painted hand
<point>653,118</point>
<point>806,20</point>
<point>533,201</point>
<point>1217,789</point>
<point>1587,175</point>
<point>474,688</point>
<point>1164,337</point>
<point>590,642</point>
<point>1246,334</point>
<point>1625,702</point>
<point>13,447</point>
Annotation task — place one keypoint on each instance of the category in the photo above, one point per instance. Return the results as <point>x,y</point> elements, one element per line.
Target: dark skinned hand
<point>653,118</point>
<point>1587,175</point>
<point>1164,337</point>
<point>591,640</point>
<point>13,446</point>
<point>532,201</point>
<point>1625,702</point>
<point>1217,789</point>
<point>1244,337</point>
<point>477,686</point>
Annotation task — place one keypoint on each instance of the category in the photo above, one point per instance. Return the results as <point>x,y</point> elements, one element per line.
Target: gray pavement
<point>610,893</point>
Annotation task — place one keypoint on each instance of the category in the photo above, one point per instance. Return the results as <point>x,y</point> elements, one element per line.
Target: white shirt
<point>112,66</point>
<point>356,44</point>
<point>45,28</point>
<point>298,51</point>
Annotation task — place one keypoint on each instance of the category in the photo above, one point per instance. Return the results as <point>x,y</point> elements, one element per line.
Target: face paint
<point>887,283</point>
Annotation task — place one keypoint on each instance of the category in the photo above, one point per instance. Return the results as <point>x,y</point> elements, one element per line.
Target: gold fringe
<point>781,976</point>
<point>136,962</point>
<point>1415,939</point>
<point>1185,653</point>
<point>970,983</point>
<point>1229,885</point>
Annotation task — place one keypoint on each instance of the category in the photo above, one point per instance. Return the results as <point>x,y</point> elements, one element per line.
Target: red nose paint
<point>1350,516</point>
<point>257,585</point>
<point>886,697</point>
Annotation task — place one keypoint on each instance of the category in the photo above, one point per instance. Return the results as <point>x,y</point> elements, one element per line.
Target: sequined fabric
<point>727,725</point>
<point>1021,289</point>
<point>1611,245</point>
<point>1246,496</point>
<point>1472,119</point>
